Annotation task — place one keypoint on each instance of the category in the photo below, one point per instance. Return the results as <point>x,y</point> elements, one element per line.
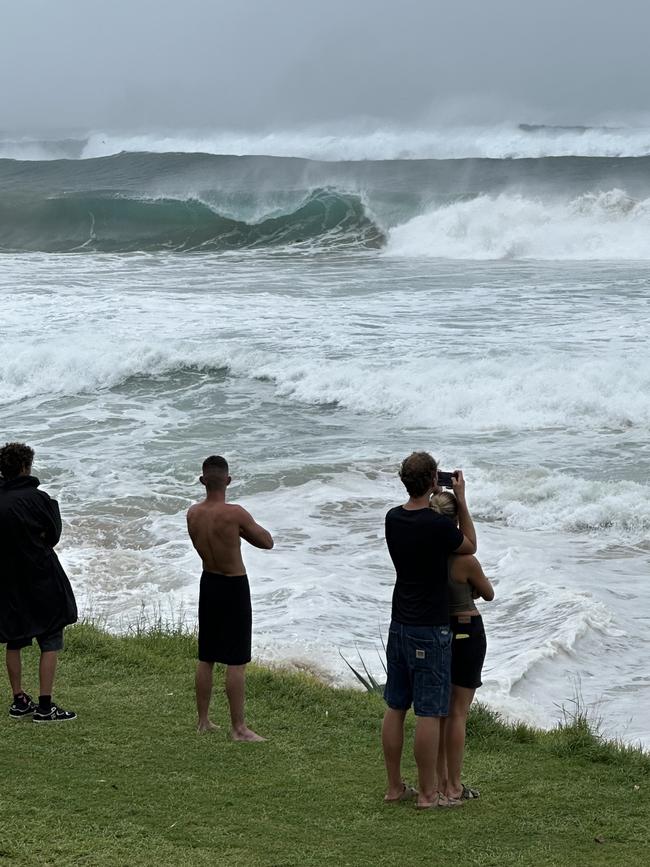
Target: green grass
<point>131,783</point>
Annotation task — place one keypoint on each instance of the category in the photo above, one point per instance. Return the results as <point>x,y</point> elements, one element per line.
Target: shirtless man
<point>216,529</point>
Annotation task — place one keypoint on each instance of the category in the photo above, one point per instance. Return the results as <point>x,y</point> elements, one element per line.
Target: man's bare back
<point>216,529</point>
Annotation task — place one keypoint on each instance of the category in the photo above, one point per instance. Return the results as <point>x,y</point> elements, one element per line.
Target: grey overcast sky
<point>261,64</point>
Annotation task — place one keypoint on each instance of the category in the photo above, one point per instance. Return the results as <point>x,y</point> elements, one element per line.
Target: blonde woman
<point>467,582</point>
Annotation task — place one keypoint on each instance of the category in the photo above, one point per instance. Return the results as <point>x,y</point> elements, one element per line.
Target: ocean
<point>314,308</point>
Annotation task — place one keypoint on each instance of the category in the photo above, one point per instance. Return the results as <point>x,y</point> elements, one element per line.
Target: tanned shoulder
<point>464,567</point>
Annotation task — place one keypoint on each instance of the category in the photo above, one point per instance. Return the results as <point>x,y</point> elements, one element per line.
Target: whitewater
<point>316,320</point>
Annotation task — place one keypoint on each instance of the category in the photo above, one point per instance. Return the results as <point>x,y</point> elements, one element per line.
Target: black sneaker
<point>55,714</point>
<point>22,709</point>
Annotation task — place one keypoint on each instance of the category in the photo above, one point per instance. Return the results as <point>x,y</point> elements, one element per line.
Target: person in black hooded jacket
<point>36,599</point>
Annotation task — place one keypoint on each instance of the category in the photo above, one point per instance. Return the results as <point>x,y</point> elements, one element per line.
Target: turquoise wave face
<point>109,223</point>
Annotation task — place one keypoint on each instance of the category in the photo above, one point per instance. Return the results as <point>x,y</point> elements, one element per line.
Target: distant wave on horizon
<point>502,141</point>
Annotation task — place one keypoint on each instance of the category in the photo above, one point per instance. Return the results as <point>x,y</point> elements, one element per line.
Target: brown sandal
<point>441,801</point>
<point>448,803</point>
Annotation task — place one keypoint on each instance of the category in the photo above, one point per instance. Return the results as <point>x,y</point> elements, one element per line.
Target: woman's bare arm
<point>479,581</point>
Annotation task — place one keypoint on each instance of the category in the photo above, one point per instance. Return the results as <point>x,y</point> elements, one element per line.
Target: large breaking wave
<point>549,208</point>
<point>109,223</point>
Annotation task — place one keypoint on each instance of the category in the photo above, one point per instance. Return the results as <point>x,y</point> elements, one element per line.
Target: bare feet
<point>207,726</point>
<point>243,733</point>
<point>403,793</point>
<point>428,802</point>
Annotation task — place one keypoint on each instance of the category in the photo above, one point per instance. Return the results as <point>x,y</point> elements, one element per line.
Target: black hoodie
<point>35,594</point>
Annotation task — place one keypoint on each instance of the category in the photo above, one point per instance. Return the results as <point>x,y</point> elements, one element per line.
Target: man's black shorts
<point>53,641</point>
<point>225,619</point>
<point>468,648</point>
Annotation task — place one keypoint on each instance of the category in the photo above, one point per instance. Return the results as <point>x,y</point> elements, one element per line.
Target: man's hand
<point>465,522</point>
<point>458,485</point>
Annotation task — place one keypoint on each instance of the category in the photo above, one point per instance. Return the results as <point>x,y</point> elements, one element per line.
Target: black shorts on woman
<point>468,648</point>
<point>225,619</point>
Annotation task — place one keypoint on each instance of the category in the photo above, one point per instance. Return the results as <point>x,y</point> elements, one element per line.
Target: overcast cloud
<point>260,64</point>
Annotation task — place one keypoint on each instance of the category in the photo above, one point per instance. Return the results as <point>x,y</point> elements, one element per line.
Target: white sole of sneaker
<point>46,721</point>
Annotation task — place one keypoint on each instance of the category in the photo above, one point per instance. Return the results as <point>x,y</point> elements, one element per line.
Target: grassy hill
<point>131,783</point>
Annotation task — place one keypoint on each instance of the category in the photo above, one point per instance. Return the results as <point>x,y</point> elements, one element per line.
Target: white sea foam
<point>89,364</point>
<point>538,392</point>
<point>545,500</point>
<point>608,225</point>
<point>500,142</point>
<point>531,500</point>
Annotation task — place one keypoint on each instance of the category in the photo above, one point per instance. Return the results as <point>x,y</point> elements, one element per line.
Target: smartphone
<point>445,479</point>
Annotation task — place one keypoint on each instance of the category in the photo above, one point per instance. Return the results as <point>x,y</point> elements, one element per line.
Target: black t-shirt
<point>419,542</point>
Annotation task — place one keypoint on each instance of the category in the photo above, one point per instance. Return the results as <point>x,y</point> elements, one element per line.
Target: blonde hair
<point>444,503</point>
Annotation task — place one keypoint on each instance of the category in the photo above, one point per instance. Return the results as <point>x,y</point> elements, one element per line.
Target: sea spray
<point>607,225</point>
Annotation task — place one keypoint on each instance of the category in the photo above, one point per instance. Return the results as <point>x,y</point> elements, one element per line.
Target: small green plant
<point>369,681</point>
<point>152,623</point>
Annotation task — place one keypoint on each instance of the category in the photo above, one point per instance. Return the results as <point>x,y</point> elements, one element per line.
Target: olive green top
<point>460,597</point>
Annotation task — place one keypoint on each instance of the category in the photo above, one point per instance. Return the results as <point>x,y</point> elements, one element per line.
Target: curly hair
<point>14,459</point>
<point>417,472</point>
<point>445,503</point>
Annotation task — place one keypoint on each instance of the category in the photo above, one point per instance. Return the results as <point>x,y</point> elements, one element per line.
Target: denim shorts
<point>53,641</point>
<point>419,669</point>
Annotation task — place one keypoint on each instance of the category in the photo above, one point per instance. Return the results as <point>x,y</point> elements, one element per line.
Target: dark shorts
<point>467,651</point>
<point>418,663</point>
<point>53,641</point>
<point>225,619</point>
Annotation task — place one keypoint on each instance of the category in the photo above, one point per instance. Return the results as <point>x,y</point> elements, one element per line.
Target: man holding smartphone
<point>419,641</point>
